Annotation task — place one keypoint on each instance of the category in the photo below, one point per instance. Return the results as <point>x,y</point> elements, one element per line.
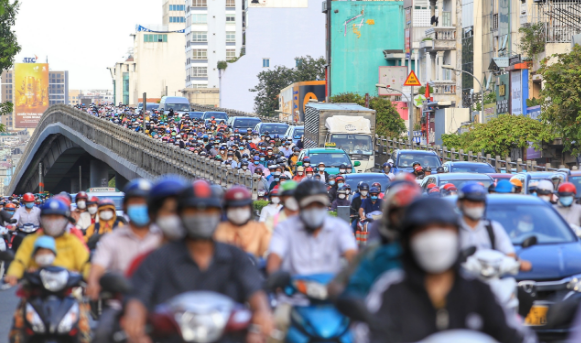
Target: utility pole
<point>144,109</point>
<point>40,182</point>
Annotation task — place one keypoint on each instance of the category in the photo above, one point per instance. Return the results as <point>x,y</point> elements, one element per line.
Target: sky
<point>83,37</point>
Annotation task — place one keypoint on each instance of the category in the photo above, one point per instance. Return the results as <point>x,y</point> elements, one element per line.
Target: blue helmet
<point>45,242</point>
<point>137,188</point>
<point>55,206</point>
<point>472,191</point>
<point>504,186</point>
<point>164,187</point>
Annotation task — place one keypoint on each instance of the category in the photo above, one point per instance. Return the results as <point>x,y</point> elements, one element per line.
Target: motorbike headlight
<point>34,319</point>
<point>313,289</point>
<point>575,284</point>
<point>54,281</point>
<point>69,320</point>
<point>201,328</point>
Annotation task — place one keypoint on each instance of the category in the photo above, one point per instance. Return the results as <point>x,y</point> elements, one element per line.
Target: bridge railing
<point>154,157</point>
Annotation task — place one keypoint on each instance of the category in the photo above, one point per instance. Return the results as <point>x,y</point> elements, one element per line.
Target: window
<point>230,18</point>
<point>298,62</point>
<point>199,18</point>
<point>230,36</point>
<point>230,3</point>
<point>200,54</point>
<point>177,19</point>
<point>199,85</point>
<point>199,3</point>
<point>155,38</point>
<point>265,62</point>
<point>230,54</point>
<point>177,7</point>
<point>199,36</point>
<point>199,71</point>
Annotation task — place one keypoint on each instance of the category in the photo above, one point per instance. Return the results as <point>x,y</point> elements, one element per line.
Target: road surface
<point>8,302</point>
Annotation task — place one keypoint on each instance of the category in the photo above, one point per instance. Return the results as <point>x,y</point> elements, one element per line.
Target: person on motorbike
<point>546,191</point>
<point>80,214</point>
<point>386,169</point>
<point>272,208</point>
<point>322,173</point>
<point>240,230</point>
<point>92,207</point>
<point>341,199</point>
<point>117,249</point>
<point>356,201</point>
<point>27,214</point>
<point>566,206</point>
<point>504,187</point>
<point>200,263</point>
<point>419,172</point>
<point>430,294</point>
<point>7,213</point>
<point>300,174</point>
<point>517,185</point>
<point>332,187</point>
<point>449,189</point>
<point>108,220</point>
<point>371,204</point>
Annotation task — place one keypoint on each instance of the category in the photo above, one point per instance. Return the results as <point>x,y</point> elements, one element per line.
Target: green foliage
<point>532,40</point>
<point>222,65</point>
<point>271,82</point>
<point>533,102</point>
<point>8,44</point>
<point>422,90</point>
<point>387,120</point>
<point>489,98</point>
<point>259,204</point>
<point>500,134</point>
<point>561,97</point>
<point>333,213</point>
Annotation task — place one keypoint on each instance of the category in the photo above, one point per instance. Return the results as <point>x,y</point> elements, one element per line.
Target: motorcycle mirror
<point>115,283</point>
<point>92,242</point>
<point>6,256</point>
<point>529,242</point>
<point>278,279</point>
<point>13,221</point>
<point>563,313</point>
<point>464,254</point>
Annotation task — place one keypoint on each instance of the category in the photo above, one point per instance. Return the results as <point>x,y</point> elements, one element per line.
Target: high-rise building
<point>6,91</point>
<point>214,32</point>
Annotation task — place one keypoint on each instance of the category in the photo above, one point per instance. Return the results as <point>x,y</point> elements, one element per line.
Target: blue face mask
<point>332,182</point>
<point>255,163</point>
<point>566,201</point>
<point>29,205</point>
<point>262,158</point>
<point>340,184</point>
<point>374,197</point>
<point>138,214</point>
<point>276,179</point>
<point>10,212</point>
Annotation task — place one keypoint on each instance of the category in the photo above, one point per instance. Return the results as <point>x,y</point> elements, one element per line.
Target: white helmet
<point>545,190</point>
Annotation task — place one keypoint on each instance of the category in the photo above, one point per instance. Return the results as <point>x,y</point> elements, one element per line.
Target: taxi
<point>332,157</point>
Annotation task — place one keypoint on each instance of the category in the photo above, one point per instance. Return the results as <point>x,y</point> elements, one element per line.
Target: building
<point>214,32</point>
<point>6,93</point>
<point>93,96</point>
<point>276,33</point>
<point>74,97</point>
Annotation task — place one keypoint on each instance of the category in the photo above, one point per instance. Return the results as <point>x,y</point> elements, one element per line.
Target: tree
<point>387,120</point>
<point>561,97</point>
<point>500,134</point>
<point>271,82</point>
<point>8,44</point>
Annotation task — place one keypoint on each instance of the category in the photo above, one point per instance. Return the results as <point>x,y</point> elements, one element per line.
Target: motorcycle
<point>50,312</point>
<point>363,227</point>
<point>317,321</point>
<point>20,234</point>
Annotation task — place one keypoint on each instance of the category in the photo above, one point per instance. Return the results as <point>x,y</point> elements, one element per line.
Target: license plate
<point>537,316</point>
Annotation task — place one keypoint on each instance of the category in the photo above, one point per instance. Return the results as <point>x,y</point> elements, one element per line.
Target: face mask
<point>332,182</point>
<point>307,164</point>
<point>566,201</point>
<point>342,171</point>
<point>525,226</point>
<point>239,216</point>
<point>244,167</point>
<point>321,168</point>
<point>292,204</point>
<point>92,210</point>
<point>262,158</point>
<point>474,213</point>
<point>255,163</point>
<point>275,200</point>
<point>171,226</point>
<point>81,204</point>
<point>309,175</point>
<point>54,227</point>
<point>44,260</point>
<point>347,192</point>
<point>10,212</point>
<point>341,196</point>
<point>436,250</point>
<point>270,153</point>
<point>364,193</point>
<point>106,215</point>
<point>546,198</point>
<point>313,218</point>
<point>276,179</point>
<point>299,173</point>
<point>29,205</point>
<point>374,197</point>
<point>340,184</point>
<point>200,226</point>
<point>138,214</point>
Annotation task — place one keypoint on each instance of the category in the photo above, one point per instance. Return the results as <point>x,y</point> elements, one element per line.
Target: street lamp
<point>410,110</point>
<point>381,85</point>
<point>475,78</point>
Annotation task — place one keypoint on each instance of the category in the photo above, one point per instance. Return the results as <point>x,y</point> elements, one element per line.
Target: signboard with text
<point>516,93</point>
<point>392,77</point>
<point>30,93</point>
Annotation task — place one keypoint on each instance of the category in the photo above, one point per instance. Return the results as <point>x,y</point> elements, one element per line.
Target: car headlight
<point>54,281</point>
<point>201,328</point>
<point>575,284</point>
<point>313,289</point>
<point>69,320</point>
<point>34,319</point>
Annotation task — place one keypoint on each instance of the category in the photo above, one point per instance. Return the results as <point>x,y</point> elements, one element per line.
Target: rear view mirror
<point>115,283</point>
<point>529,242</point>
<point>278,279</point>
<point>13,221</point>
<point>299,164</point>
<point>355,309</point>
<point>357,163</point>
<point>6,256</point>
<point>464,254</point>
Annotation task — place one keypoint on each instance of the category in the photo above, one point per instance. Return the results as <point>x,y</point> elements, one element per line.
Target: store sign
<point>519,91</point>
<point>30,59</point>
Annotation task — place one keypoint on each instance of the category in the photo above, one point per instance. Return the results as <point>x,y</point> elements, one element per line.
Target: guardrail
<point>153,156</point>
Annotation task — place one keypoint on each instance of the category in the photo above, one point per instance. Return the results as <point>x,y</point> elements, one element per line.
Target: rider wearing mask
<point>430,294</point>
<point>322,173</point>
<point>201,263</point>
<point>371,204</point>
<point>108,220</point>
<point>386,169</point>
<point>290,206</point>
<point>240,230</point>
<point>309,172</point>
<point>341,199</point>
<point>272,208</point>
<point>356,202</point>
<point>332,187</point>
<point>300,175</point>
<point>27,214</point>
<point>92,207</point>
<point>80,214</point>
<point>545,190</point>
<point>117,250</point>
<point>566,206</point>
<point>517,185</point>
<point>7,213</point>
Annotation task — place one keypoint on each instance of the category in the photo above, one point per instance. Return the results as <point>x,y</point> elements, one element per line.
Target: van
<point>179,104</point>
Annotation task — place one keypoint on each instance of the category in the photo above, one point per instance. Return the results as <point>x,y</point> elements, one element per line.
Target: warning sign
<point>412,80</point>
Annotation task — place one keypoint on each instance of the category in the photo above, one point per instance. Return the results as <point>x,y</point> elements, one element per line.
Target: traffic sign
<point>412,80</point>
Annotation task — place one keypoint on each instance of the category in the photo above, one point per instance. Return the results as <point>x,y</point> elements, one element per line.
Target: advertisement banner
<point>489,112</point>
<point>534,112</point>
<point>516,93</point>
<point>30,93</point>
<point>393,77</point>
<point>501,91</point>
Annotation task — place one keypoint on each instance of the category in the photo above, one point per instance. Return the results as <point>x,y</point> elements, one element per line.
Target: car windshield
<point>406,160</point>
<point>522,221</point>
<point>245,123</point>
<point>152,106</point>
<point>177,107</point>
<point>216,115</point>
<point>353,144</point>
<point>354,179</point>
<point>460,183</point>
<point>472,168</point>
<point>118,200</point>
<point>298,133</point>
<point>330,159</point>
<point>576,180</point>
<point>196,115</point>
<point>273,129</point>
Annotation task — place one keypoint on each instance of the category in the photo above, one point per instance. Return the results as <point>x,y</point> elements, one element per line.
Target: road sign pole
<point>411,117</point>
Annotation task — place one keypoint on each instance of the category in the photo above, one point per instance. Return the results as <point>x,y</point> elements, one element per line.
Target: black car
<point>243,123</point>
<point>468,167</point>
<point>369,178</point>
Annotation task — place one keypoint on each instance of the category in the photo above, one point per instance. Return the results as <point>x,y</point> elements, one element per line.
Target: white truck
<point>350,127</point>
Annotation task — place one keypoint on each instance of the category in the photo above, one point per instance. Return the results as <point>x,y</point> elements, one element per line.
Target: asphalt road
<point>8,302</point>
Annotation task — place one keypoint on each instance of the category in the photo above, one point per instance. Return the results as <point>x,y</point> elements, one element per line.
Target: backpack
<point>491,235</point>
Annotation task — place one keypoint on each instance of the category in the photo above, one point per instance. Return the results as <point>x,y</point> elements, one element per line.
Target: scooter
<point>20,234</point>
<point>317,321</point>
<point>51,313</point>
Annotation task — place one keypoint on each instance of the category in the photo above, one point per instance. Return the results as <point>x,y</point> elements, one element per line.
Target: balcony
<point>439,39</point>
<point>445,87</point>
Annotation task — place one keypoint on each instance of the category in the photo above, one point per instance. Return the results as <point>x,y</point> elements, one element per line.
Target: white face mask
<point>81,204</point>
<point>171,226</point>
<point>321,168</point>
<point>525,226</point>
<point>238,215</point>
<point>54,227</point>
<point>292,204</point>
<point>546,198</point>
<point>275,200</point>
<point>44,260</point>
<point>341,196</point>
<point>300,173</point>
<point>364,193</point>
<point>474,213</point>
<point>92,209</point>
<point>435,250</point>
<point>313,218</point>
<point>106,215</point>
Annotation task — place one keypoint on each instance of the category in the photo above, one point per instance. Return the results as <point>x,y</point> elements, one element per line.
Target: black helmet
<point>416,163</point>
<point>309,191</point>
<point>362,186</point>
<point>440,170</point>
<point>343,166</point>
<point>425,211</point>
<point>200,195</point>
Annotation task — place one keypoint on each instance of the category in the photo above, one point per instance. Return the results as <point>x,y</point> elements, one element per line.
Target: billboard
<point>294,98</point>
<point>393,77</point>
<point>30,93</point>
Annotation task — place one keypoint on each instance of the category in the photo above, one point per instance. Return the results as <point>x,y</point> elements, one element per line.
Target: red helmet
<point>341,178</point>
<point>28,197</point>
<point>450,187</point>
<point>309,169</point>
<point>376,184</point>
<point>430,186</point>
<point>81,195</point>
<point>93,201</point>
<point>274,191</point>
<point>64,199</point>
<point>434,190</point>
<point>237,196</point>
<point>566,189</point>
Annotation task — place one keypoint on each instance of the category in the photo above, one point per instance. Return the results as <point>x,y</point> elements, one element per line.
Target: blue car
<point>403,160</point>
